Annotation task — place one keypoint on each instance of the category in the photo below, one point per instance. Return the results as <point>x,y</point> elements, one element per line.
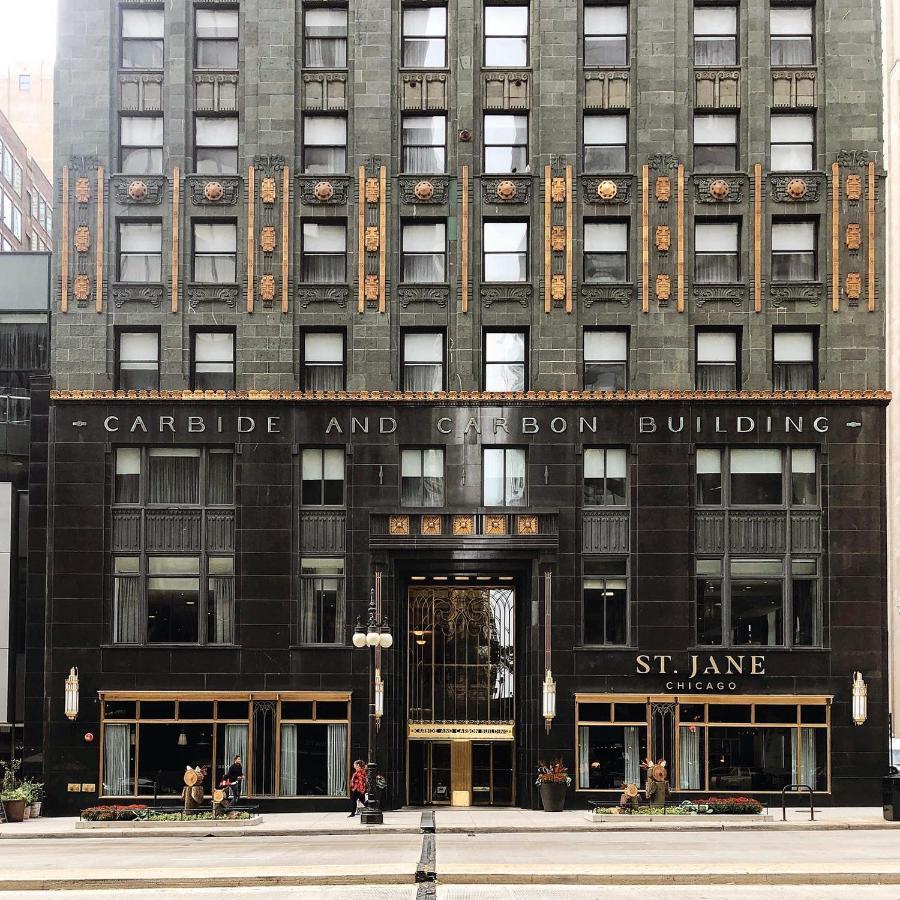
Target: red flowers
<point>733,805</point>
<point>112,813</point>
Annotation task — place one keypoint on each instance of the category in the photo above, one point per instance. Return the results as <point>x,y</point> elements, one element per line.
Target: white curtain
<point>515,477</point>
<point>803,756</point>
<point>174,475</point>
<point>288,761</point>
<point>221,596</point>
<point>689,759</point>
<point>584,756</point>
<point>117,760</point>
<point>127,618</point>
<point>236,745</point>
<point>633,754</point>
<point>337,760</point>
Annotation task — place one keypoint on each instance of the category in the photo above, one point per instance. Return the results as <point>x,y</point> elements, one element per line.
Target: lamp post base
<point>371,817</point>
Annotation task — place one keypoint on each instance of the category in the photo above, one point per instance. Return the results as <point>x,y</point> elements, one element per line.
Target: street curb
<point>213,881</point>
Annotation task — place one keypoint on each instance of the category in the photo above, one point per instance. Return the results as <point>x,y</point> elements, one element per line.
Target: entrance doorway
<point>461,773</point>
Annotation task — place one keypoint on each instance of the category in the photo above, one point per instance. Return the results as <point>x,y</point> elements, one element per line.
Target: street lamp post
<point>373,635</point>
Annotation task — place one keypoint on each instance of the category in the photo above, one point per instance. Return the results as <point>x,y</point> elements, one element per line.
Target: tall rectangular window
<point>715,35</point>
<point>503,476</point>
<point>143,32</point>
<point>141,145</point>
<point>791,30</point>
<point>716,257</point>
<point>216,145</point>
<point>325,38</point>
<point>715,143</point>
<point>215,252</point>
<point>140,252</point>
<point>717,361</point>
<point>212,361</point>
<point>794,250</point>
<point>757,602</point>
<point>505,248</point>
<point>324,253</point>
<point>792,146</point>
<point>605,143</point>
<point>605,476</point>
<point>756,476</point>
<point>605,252</point>
<point>323,361</point>
<point>606,35</point>
<point>423,361</point>
<point>322,601</point>
<point>216,35</point>
<point>137,360</point>
<point>422,476</point>
<point>709,477</point>
<point>425,37</point>
<point>605,359</point>
<point>505,143</point>
<point>793,361</point>
<point>322,476</point>
<point>424,141</point>
<point>804,477</point>
<point>505,361</point>
<point>505,36</point>
<point>605,602</point>
<point>423,257</point>
<point>324,145</point>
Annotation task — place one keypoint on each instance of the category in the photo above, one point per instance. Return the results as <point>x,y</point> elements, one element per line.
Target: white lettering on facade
<point>196,425</point>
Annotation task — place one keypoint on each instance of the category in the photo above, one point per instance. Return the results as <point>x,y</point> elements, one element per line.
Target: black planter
<point>553,795</point>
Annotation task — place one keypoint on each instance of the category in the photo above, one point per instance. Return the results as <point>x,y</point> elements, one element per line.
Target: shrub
<point>113,813</point>
<point>733,806</point>
<point>553,773</point>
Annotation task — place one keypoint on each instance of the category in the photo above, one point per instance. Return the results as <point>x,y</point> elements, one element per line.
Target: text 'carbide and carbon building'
<point>560,323</point>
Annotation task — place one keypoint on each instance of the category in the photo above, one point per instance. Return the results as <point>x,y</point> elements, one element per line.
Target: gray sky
<point>29,30</point>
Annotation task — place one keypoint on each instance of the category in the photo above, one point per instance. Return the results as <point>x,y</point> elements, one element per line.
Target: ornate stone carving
<point>794,189</point>
<point>267,191</point>
<point>398,525</point>
<point>370,287</point>
<point>267,239</point>
<point>315,192</point>
<point>720,189</point>
<point>558,189</point>
<point>212,293</point>
<point>267,288</point>
<point>82,239</point>
<point>323,191</point>
<point>430,525</point>
<point>853,236</point>
<point>437,294</point>
<point>213,191</point>
<point>144,191</point>
<point>609,293</point>
<point>852,159</point>
<point>804,292</point>
<point>663,238</point>
<point>558,237</point>
<point>606,90</point>
<point>372,190</point>
<point>717,89</point>
<point>147,294</point>
<point>558,287</point>
<point>336,294</point>
<point>663,287</point>
<point>663,189</point>
<point>607,189</point>
<point>424,190</point>
<point>463,525</point>
<point>612,190</point>
<point>505,190</point>
<point>505,293</point>
<point>853,187</point>
<point>793,89</point>
<point>662,161</point>
<point>495,524</point>
<point>719,293</point>
<point>526,524</point>
<point>853,285</point>
<point>82,288</point>
<point>224,191</point>
<point>372,238</point>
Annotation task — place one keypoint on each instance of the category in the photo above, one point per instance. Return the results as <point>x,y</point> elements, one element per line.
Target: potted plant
<point>553,781</point>
<point>12,797</point>
<point>37,798</point>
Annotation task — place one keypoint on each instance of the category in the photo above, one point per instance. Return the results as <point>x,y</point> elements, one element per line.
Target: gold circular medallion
<point>424,190</point>
<point>719,189</point>
<point>796,188</point>
<point>213,191</point>
<point>507,190</point>
<point>324,190</point>
<point>607,189</point>
<point>138,190</point>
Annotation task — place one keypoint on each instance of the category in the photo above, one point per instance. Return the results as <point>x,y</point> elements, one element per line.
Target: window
<point>709,477</point>
<point>505,36</point>
<point>794,250</point>
<point>605,476</point>
<point>141,145</point>
<point>605,602</point>
<point>33,201</point>
<point>216,145</point>
<point>325,38</point>
<point>215,252</point>
<point>142,38</point>
<point>17,178</point>
<point>793,140</point>
<point>423,361</point>
<point>804,477</point>
<point>505,143</point>
<point>216,33</point>
<point>716,258</point>
<point>791,28</point>
<point>715,143</point>
<point>425,38</point>
<point>213,361</point>
<point>605,360</point>
<point>606,35</point>
<point>140,252</point>
<point>504,476</point>
<point>7,164</point>
<point>322,601</point>
<point>504,361</point>
<point>423,257</point>
<point>505,248</point>
<point>324,145</point>
<point>422,477</point>
<point>324,253</point>
<point>717,361</point>
<point>605,143</point>
<point>793,361</point>
<point>25,82</point>
<point>322,477</point>
<point>715,35</point>
<point>137,356</point>
<point>605,252</point>
<point>756,478</point>
<point>323,360</point>
<point>424,144</point>
<point>17,223</point>
<point>48,221</point>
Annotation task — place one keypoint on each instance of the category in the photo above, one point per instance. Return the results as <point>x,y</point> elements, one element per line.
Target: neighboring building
<point>26,99</point>
<point>566,331</point>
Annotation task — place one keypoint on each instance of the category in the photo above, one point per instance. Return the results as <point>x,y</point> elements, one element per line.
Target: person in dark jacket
<point>235,775</point>
<point>357,786</point>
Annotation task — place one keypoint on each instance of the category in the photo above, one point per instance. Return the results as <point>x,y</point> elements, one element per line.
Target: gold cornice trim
<point>464,243</point>
<point>382,243</point>
<point>251,235</point>
<point>679,302</point>
<point>98,296</point>
<point>569,229</point>
<point>757,237</point>
<point>360,242</point>
<point>870,235</point>
<point>285,235</point>
<point>645,239</point>
<point>64,245</point>
<point>176,235</point>
<point>548,215</point>
<point>835,237</point>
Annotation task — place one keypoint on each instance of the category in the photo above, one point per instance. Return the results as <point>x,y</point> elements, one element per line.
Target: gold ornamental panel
<point>663,287</point>
<point>267,190</point>
<point>663,189</point>
<point>371,287</point>
<point>558,237</point>
<point>398,525</point>
<point>853,285</point>
<point>461,731</point>
<point>853,236</point>
<point>373,190</point>
<point>463,525</point>
<point>853,187</point>
<point>430,525</point>
<point>82,190</point>
<point>526,524</point>
<point>372,238</point>
<point>268,239</point>
<point>495,524</point>
<point>267,288</point>
<point>663,238</point>
<point>558,190</point>
<point>82,239</point>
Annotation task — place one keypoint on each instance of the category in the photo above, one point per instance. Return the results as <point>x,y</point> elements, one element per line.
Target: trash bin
<point>890,789</point>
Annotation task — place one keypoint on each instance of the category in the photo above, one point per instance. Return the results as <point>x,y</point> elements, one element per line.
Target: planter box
<point>186,823</point>
<point>553,795</point>
<point>693,818</point>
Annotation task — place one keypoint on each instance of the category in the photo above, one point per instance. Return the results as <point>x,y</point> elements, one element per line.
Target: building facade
<point>560,328</point>
<point>26,99</point>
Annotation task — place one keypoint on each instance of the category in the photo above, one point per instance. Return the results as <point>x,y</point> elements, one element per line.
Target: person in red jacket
<point>357,786</point>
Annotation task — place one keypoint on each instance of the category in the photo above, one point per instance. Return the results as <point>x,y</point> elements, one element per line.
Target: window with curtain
<point>505,35</point>
<point>216,145</point>
<point>715,143</point>
<point>504,361</point>
<point>423,360</point>
<point>424,144</point>
<point>323,361</point>
<point>716,252</point>
<point>216,35</point>
<point>756,476</point>
<point>610,755</point>
<point>322,476</point>
<point>793,361</point>
<point>794,250</point>
<point>215,252</point>
<point>324,145</point>
<point>505,248</point>
<point>715,35</point>
<point>804,477</point>
<point>505,143</point>
<point>423,258</point>
<point>173,475</point>
<point>324,253</point>
<point>128,614</point>
<point>140,252</point>
<point>422,476</point>
<point>606,35</point>
<point>173,599</point>
<point>605,252</point>
<point>425,37</point>
<point>605,143</point>
<point>213,361</point>
<point>325,38</point>
<point>717,361</point>
<point>314,760</point>
<point>322,601</point>
<point>791,30</point>
<point>220,600</point>
<point>24,350</point>
<point>118,760</point>
<point>143,32</point>
<point>792,147</point>
<point>605,602</point>
<point>138,360</point>
<point>141,145</point>
<point>605,359</point>
<point>709,477</point>
<point>503,476</point>
<point>605,476</point>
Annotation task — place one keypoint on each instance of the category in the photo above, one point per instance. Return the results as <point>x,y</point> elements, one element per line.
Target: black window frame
<point>321,449</point>
<point>735,36</point>
<point>422,329</point>
<point>404,253</point>
<point>233,116</point>
<point>304,363</point>
<point>521,114</point>
<point>737,331</point>
<point>585,361</point>
<point>485,362</point>
<point>795,220</point>
<point>213,329</point>
<point>346,38</point>
<point>420,449</point>
<point>404,36</point>
<point>123,41</point>
<point>124,148</point>
<point>125,222</point>
<point>425,114</point>
<point>625,36</point>
<point>609,561</point>
<point>618,148</point>
<point>117,364</point>
<point>811,6</point>
<point>813,380</point>
<point>736,253</point>
<point>304,146</point>
<point>505,448</point>
<point>704,168</point>
<point>223,7</point>
<point>205,221</point>
<point>485,37</point>
<point>774,116</point>
<point>607,253</point>
<point>306,254</point>
<point>303,588</point>
<point>488,220</point>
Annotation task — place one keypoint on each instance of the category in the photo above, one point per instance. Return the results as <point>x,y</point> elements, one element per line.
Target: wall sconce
<point>72,694</point>
<point>549,704</point>
<point>859,704</point>
<point>379,695</point>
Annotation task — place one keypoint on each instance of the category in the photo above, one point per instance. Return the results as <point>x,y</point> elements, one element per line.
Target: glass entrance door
<point>461,773</point>
<point>492,773</point>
